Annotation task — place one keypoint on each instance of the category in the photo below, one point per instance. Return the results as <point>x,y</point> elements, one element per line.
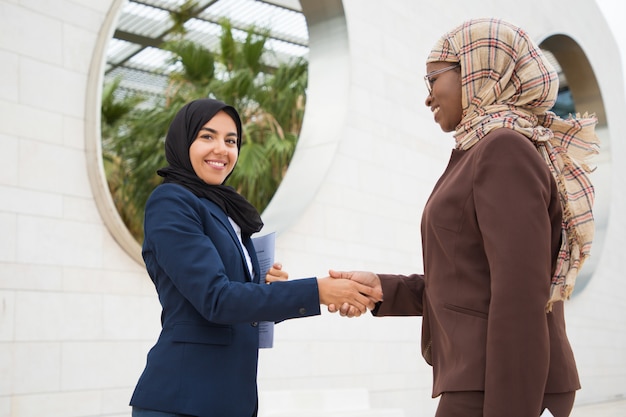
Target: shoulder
<point>171,190</point>
<point>508,157</point>
<point>175,197</point>
<point>176,194</point>
<point>507,139</point>
<point>168,199</point>
<point>174,206</point>
<point>171,196</point>
<point>508,146</point>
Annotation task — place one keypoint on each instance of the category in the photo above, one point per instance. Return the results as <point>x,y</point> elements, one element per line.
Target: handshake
<point>349,293</point>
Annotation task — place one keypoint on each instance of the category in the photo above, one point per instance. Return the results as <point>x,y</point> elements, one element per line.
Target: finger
<point>373,302</point>
<point>360,303</point>
<point>373,293</point>
<point>277,265</point>
<point>332,308</point>
<point>277,271</point>
<point>365,289</point>
<point>276,275</point>
<point>344,310</point>
<point>353,297</point>
<point>353,312</point>
<point>339,274</point>
<point>368,303</point>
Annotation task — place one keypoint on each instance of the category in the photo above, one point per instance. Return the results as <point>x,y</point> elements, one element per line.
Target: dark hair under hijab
<point>181,134</point>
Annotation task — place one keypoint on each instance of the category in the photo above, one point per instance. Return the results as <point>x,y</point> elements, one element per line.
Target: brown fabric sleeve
<point>402,295</point>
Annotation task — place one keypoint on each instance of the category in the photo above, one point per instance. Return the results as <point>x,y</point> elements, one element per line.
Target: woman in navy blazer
<point>199,254</point>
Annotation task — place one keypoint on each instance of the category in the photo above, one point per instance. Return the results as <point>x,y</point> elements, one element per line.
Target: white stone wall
<point>78,314</point>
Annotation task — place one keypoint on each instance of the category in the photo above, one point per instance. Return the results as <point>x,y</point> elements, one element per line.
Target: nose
<point>429,100</point>
<point>220,146</point>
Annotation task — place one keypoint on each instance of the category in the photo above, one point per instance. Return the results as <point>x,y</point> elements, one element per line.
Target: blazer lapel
<point>223,218</point>
<point>255,261</point>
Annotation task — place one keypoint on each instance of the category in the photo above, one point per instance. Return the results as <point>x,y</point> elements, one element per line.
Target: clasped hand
<point>361,291</point>
<point>349,293</point>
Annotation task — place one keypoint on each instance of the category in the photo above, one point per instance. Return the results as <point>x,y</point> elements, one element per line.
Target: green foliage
<point>270,101</point>
<point>179,17</point>
<point>198,63</point>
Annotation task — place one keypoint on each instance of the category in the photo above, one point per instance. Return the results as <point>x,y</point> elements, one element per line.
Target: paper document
<point>264,247</point>
<point>546,413</point>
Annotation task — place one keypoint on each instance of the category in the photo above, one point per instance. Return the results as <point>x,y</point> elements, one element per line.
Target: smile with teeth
<point>217,164</point>
<point>436,110</point>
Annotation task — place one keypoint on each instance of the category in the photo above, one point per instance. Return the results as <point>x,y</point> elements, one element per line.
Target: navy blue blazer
<point>205,361</point>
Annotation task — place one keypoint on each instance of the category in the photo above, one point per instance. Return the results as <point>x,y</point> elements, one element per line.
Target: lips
<point>435,111</point>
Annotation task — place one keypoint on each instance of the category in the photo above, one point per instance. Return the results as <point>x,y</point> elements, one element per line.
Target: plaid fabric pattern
<point>508,83</point>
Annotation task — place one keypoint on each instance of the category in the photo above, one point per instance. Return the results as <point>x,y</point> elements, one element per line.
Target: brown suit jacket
<point>491,231</point>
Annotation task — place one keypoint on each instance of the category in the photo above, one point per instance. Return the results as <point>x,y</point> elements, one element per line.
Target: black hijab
<point>181,134</point>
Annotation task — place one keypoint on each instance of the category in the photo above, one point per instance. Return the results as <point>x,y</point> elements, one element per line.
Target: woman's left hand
<point>276,273</point>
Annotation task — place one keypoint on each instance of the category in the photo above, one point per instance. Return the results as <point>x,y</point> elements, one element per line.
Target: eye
<point>231,141</point>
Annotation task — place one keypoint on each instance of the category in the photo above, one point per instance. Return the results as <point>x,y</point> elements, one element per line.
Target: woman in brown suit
<point>504,232</point>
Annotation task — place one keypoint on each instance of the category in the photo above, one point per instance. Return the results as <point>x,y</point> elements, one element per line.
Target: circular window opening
<point>163,54</point>
<point>579,93</point>
<point>124,62</point>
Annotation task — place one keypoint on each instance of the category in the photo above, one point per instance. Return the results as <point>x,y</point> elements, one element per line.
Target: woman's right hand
<point>339,292</point>
<point>364,277</point>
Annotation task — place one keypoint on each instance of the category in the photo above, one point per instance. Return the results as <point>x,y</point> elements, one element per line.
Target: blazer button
<point>302,310</point>
<point>254,323</point>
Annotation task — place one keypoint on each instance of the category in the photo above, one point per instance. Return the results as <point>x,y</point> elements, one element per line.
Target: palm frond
<point>198,63</point>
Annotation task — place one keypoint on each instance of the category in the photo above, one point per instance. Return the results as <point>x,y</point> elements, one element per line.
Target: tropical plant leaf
<point>198,63</point>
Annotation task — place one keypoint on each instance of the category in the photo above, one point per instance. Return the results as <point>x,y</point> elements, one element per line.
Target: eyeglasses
<point>429,82</point>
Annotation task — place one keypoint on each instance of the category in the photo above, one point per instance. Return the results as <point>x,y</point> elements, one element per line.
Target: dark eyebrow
<point>215,131</point>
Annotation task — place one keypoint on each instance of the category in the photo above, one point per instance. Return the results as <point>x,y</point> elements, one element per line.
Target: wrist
<point>321,290</point>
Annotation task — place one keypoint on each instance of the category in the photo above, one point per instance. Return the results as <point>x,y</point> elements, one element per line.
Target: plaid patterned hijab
<point>507,82</point>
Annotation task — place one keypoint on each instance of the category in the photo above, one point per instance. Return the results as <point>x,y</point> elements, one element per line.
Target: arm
<point>403,295</point>
<point>400,295</point>
<point>332,292</point>
<point>193,258</point>
<point>512,193</point>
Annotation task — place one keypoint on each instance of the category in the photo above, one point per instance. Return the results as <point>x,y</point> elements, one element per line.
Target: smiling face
<point>214,152</point>
<point>444,99</point>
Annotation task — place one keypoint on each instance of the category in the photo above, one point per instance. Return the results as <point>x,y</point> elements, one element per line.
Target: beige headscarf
<point>507,82</point>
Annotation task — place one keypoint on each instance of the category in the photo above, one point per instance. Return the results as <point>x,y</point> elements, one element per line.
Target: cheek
<point>193,156</point>
<point>459,114</point>
<point>458,106</point>
<point>234,156</point>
